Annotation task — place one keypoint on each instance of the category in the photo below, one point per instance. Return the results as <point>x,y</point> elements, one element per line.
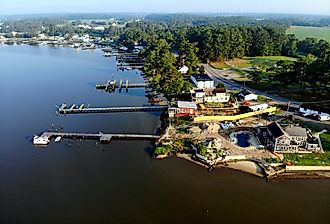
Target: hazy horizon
<point>16,7</point>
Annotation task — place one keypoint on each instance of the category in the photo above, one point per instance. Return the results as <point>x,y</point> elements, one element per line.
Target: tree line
<point>218,43</point>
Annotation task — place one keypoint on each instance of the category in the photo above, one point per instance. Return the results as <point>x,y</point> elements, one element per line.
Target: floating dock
<point>103,138</point>
<point>81,109</point>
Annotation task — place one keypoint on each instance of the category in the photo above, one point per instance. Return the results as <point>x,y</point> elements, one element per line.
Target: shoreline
<point>254,169</point>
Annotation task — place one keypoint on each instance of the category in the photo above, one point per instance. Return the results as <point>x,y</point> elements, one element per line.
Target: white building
<point>184,69</point>
<point>99,28</point>
<point>216,95</point>
<point>84,26</point>
<point>219,95</point>
<point>42,36</point>
<point>202,81</point>
<point>247,95</point>
<point>258,107</point>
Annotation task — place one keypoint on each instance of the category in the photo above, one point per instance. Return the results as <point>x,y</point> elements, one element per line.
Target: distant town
<point>252,98</point>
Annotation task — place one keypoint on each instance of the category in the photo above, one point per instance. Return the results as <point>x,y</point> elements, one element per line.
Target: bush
<point>325,139</point>
<point>163,150</point>
<point>201,149</point>
<point>264,99</point>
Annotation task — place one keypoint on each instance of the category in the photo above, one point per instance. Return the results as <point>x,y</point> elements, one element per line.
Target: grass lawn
<point>325,139</point>
<point>219,65</point>
<point>247,62</point>
<point>310,159</point>
<point>267,61</point>
<point>302,32</point>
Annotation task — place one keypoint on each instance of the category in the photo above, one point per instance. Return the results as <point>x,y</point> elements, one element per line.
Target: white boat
<point>57,139</point>
<point>107,54</point>
<point>37,140</point>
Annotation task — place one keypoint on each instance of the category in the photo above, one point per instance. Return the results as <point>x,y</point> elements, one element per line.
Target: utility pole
<point>288,106</point>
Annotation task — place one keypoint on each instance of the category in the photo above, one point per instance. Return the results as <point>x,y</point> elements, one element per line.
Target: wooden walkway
<point>103,138</point>
<point>81,109</point>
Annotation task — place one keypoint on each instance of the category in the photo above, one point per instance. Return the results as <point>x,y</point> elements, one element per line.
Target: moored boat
<point>37,140</point>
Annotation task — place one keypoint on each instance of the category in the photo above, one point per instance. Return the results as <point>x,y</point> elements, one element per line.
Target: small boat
<point>37,140</point>
<point>107,54</point>
<point>57,139</point>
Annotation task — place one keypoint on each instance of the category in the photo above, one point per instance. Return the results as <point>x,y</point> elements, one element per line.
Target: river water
<point>85,182</point>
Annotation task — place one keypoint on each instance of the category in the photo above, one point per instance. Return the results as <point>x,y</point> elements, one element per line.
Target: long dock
<point>81,109</point>
<point>103,138</point>
<point>113,84</point>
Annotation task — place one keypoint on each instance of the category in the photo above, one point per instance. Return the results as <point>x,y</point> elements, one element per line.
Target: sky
<point>8,7</point>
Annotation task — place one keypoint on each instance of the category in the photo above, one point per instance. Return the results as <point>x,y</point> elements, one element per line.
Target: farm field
<point>302,32</point>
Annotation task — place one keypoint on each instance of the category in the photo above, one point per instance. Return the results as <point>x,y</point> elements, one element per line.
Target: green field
<point>302,32</point>
<point>247,62</point>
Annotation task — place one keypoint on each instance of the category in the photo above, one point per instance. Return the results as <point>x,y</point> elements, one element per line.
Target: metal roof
<point>202,77</point>
<point>296,131</point>
<point>187,104</point>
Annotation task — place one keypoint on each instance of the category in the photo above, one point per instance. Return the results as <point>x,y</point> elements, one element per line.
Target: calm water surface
<point>84,182</point>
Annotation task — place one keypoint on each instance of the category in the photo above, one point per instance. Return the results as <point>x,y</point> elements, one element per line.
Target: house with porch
<point>289,139</point>
<point>213,95</point>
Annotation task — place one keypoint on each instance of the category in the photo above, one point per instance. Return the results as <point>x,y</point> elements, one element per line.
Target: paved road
<point>218,76</point>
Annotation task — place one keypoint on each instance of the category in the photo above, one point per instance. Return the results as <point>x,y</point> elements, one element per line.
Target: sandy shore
<point>246,166</point>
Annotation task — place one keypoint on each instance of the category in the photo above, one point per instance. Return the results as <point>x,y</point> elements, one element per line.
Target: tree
<point>160,63</point>
<point>283,70</point>
<point>191,59</point>
<point>256,73</point>
<point>302,70</point>
<point>290,48</point>
<point>221,85</point>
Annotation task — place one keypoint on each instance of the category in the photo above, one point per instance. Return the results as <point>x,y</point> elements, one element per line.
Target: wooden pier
<point>111,85</point>
<point>103,138</point>
<point>81,109</point>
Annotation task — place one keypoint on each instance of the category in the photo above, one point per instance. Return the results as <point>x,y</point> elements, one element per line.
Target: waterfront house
<point>202,81</point>
<point>218,95</point>
<point>197,95</point>
<point>289,139</point>
<point>247,95</point>
<point>213,95</point>
<point>183,109</point>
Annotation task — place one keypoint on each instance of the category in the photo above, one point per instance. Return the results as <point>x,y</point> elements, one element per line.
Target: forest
<point>206,43</point>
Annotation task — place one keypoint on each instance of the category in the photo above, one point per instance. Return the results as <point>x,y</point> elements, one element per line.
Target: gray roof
<point>296,131</point>
<point>275,129</point>
<point>202,77</point>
